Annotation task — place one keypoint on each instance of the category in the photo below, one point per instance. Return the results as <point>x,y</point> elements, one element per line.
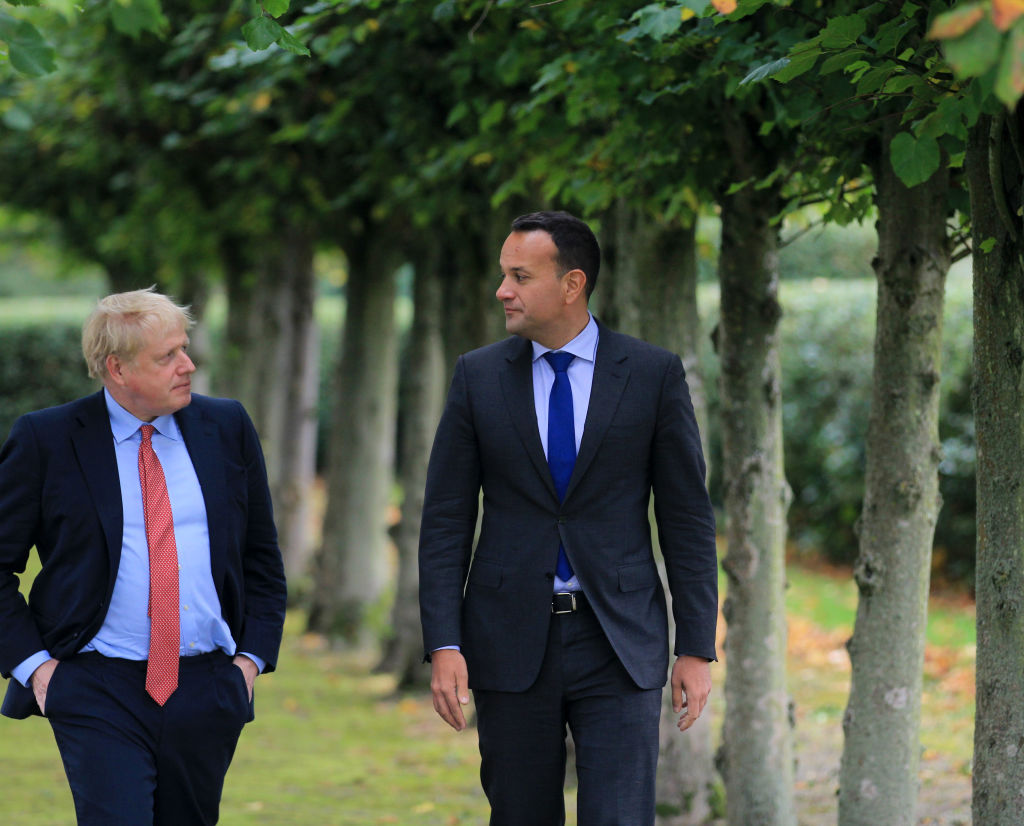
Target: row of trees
<point>412,135</point>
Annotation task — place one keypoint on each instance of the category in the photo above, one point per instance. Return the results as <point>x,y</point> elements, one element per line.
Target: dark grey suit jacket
<point>59,491</point>
<point>640,437</point>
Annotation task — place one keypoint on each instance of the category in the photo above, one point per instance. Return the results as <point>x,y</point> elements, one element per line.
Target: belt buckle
<point>572,603</point>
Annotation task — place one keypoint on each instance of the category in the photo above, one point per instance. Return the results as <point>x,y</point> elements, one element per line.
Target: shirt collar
<point>125,425</point>
<point>584,346</point>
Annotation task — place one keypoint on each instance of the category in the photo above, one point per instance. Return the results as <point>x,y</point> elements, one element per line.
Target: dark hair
<point>577,247</point>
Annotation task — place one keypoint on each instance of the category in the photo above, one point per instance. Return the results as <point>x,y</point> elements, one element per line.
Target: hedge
<point>827,335</point>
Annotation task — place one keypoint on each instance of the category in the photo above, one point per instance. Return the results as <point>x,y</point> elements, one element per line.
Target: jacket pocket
<point>637,577</point>
<point>485,574</point>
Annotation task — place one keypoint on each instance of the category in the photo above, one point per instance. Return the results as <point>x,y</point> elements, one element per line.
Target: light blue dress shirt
<point>125,630</point>
<point>581,380</point>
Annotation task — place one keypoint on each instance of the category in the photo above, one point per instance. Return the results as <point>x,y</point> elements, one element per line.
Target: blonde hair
<point>120,323</point>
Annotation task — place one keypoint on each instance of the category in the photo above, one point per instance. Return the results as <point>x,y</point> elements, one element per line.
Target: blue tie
<point>561,440</point>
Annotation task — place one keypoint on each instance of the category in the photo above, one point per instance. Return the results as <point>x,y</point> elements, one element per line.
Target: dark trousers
<point>614,726</point>
<point>131,762</point>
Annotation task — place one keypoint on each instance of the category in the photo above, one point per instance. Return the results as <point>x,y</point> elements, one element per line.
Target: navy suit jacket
<point>640,437</point>
<point>59,492</point>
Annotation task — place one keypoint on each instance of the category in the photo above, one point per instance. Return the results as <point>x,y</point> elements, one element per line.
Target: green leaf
<point>987,245</point>
<point>18,119</point>
<point>1010,79</point>
<point>947,119</point>
<point>842,32</point>
<point>873,80</point>
<point>27,50</point>
<point>765,70</point>
<point>976,52</point>
<point>132,17</point>
<point>290,43</point>
<point>275,8</point>
<point>914,160</point>
<point>656,21</point>
<point>840,61</point>
<point>900,83</point>
<point>261,32</point>
<point>459,111</point>
<point>798,64</point>
<point>495,112</point>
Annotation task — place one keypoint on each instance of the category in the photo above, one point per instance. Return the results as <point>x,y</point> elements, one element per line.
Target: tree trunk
<point>194,292</point>
<point>296,426</point>
<point>272,366</point>
<point>995,177</point>
<point>878,775</point>
<point>757,751</point>
<point>472,314</point>
<point>353,563</point>
<point>421,396</point>
<point>650,291</point>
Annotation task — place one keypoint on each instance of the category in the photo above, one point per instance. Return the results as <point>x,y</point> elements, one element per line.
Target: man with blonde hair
<point>162,593</point>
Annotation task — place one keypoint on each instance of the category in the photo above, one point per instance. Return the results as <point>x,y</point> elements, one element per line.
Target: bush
<point>827,335</point>
<point>42,366</point>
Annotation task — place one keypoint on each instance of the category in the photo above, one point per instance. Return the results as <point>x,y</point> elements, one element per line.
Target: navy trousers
<point>614,724</point>
<point>130,762</point>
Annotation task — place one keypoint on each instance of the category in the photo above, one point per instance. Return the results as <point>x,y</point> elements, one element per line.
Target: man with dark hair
<point>557,617</point>
<point>162,593</point>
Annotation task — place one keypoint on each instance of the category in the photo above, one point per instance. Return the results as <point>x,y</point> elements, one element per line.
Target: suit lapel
<point>204,448</point>
<point>517,386</point>
<point>93,443</point>
<point>610,378</point>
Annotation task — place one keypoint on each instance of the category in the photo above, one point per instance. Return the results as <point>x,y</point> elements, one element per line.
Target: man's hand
<point>691,685</point>
<point>40,682</point>
<point>249,669</point>
<point>449,683</point>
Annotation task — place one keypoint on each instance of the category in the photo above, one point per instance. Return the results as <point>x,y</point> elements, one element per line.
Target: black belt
<point>568,602</point>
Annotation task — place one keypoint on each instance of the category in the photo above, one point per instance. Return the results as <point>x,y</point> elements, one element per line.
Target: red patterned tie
<point>164,632</point>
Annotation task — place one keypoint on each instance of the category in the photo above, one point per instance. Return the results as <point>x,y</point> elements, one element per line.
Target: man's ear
<point>115,368</point>
<point>574,285</point>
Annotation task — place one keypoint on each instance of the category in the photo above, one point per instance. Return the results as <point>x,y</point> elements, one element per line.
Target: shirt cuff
<point>448,648</point>
<point>261,664</point>
<point>26,668</point>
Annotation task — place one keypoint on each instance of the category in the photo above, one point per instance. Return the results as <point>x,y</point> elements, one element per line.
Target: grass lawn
<point>333,744</point>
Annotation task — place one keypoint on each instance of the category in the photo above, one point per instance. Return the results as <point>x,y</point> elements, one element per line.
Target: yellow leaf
<point>686,13</point>
<point>956,22</point>
<point>423,808</point>
<point>482,159</point>
<point>532,25</point>
<point>571,66</point>
<point>724,6</point>
<point>1004,12</point>
<point>373,24</point>
<point>261,102</point>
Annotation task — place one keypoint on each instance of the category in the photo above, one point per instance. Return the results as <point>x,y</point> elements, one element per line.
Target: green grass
<point>831,602</point>
<point>333,743</point>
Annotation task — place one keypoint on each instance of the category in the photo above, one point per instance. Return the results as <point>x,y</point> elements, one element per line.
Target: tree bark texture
<point>421,397</point>
<point>757,752</point>
<point>995,174</point>
<point>353,565</point>
<point>650,292</point>
<point>272,360</point>
<point>879,768</point>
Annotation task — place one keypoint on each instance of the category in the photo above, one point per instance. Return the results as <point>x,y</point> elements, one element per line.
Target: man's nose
<point>503,293</point>
<point>187,365</point>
